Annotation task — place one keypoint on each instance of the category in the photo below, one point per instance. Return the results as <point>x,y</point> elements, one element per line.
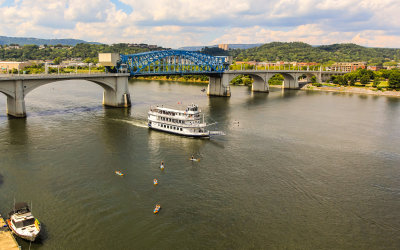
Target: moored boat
<point>22,223</point>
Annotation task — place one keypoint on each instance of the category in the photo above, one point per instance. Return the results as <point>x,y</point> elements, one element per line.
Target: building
<point>348,66</point>
<point>374,68</point>
<point>306,64</point>
<point>14,65</point>
<point>223,46</point>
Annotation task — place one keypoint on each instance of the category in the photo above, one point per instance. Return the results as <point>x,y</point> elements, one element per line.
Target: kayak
<point>157,208</point>
<point>155,182</point>
<point>119,173</point>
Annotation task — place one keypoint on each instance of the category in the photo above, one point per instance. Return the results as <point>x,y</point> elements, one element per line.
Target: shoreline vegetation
<point>195,79</point>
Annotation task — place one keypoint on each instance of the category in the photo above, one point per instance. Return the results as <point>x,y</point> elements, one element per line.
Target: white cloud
<point>191,22</point>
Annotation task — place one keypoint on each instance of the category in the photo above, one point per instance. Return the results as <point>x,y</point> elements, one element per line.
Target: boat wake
<point>136,123</point>
<point>217,133</point>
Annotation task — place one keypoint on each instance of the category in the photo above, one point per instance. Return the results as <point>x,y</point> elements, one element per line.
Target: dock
<point>7,240</point>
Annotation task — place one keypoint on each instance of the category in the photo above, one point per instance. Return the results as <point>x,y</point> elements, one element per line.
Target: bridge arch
<point>116,93</point>
<point>107,86</point>
<point>6,92</point>
<point>260,82</point>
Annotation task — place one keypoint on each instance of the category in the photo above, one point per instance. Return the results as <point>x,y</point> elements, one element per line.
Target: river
<point>296,170</point>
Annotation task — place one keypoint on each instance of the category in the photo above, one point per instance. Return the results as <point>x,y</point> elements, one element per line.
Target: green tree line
<point>82,50</point>
<point>365,77</point>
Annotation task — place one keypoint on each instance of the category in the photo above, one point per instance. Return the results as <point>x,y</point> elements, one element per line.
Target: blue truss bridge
<point>172,62</point>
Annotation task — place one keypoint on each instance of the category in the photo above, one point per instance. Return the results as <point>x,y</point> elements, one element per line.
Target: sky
<point>177,23</point>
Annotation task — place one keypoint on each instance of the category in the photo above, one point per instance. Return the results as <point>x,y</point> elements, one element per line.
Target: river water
<point>296,170</point>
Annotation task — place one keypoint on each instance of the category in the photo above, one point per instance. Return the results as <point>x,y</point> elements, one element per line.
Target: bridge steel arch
<point>172,62</point>
<point>116,93</point>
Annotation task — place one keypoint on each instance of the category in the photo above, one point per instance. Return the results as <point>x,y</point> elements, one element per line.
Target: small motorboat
<point>193,159</point>
<point>22,223</point>
<point>155,182</point>
<point>119,173</point>
<point>157,209</point>
<point>162,165</point>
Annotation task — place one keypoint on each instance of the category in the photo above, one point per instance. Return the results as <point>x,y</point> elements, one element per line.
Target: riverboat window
<point>181,129</point>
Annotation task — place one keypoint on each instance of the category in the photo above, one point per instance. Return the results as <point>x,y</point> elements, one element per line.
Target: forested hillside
<point>302,52</point>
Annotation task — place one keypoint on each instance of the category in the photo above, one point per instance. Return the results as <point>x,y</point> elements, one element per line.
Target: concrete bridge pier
<point>260,84</point>
<point>219,86</point>
<point>119,95</point>
<point>290,81</point>
<point>16,102</point>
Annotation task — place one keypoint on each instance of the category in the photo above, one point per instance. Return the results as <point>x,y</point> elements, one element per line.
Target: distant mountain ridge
<point>5,40</point>
<point>230,46</point>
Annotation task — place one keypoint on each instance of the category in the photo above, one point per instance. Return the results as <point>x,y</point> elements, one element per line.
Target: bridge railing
<point>286,68</point>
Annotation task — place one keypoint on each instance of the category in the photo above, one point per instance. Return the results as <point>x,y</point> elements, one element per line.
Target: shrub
<point>316,84</point>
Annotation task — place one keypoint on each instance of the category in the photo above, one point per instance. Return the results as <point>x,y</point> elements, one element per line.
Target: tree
<point>57,60</point>
<point>384,73</point>
<point>364,79</point>
<point>394,79</point>
<point>376,82</point>
<point>341,80</point>
<point>313,79</point>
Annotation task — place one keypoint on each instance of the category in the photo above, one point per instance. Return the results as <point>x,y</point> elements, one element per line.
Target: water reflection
<point>17,131</point>
<point>257,98</point>
<point>158,140</point>
<point>219,112</point>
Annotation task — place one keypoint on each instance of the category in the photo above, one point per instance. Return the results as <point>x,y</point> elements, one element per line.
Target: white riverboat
<point>187,122</point>
<point>22,223</point>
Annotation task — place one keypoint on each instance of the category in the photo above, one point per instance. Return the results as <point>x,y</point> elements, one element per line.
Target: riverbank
<point>347,89</point>
<point>352,89</point>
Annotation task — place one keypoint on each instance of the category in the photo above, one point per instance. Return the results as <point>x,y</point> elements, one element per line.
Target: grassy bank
<point>174,79</point>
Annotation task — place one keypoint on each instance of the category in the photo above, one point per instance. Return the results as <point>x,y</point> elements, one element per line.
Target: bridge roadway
<point>115,85</point>
<point>219,84</point>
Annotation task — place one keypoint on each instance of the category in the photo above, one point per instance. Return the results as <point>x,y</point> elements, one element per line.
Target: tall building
<point>223,46</point>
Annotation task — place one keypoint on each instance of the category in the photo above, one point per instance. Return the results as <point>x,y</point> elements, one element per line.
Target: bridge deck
<point>5,77</point>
